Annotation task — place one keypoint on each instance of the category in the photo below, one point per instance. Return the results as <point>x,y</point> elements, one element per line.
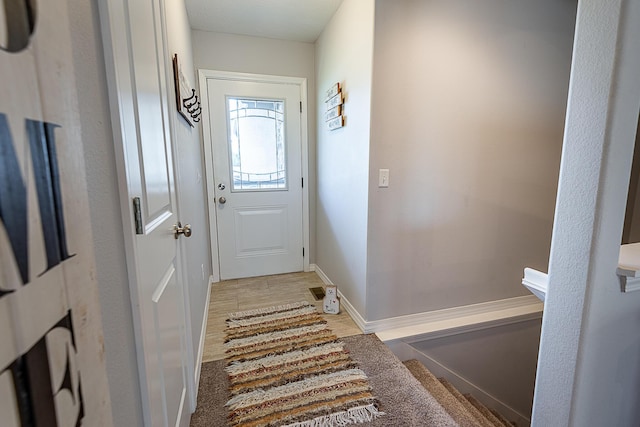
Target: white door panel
<point>256,164</point>
<point>261,231</point>
<point>157,289</point>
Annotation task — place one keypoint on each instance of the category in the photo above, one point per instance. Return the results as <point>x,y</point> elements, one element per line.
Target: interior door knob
<point>178,229</point>
<point>222,200</point>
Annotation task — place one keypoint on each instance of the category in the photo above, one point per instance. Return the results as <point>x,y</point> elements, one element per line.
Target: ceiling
<point>299,20</point>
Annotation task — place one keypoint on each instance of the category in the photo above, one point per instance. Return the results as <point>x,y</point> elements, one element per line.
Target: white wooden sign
<point>333,91</point>
<point>334,115</point>
<point>336,123</point>
<point>335,101</point>
<point>52,368</point>
<point>333,112</point>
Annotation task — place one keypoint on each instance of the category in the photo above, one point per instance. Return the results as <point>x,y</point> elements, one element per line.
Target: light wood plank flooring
<point>265,291</point>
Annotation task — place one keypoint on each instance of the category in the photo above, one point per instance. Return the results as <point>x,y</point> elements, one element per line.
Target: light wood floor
<point>265,291</point>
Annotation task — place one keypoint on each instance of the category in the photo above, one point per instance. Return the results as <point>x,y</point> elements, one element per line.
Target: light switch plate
<point>383,178</point>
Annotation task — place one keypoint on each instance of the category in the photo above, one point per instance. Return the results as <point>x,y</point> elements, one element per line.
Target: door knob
<point>178,229</point>
<point>222,200</point>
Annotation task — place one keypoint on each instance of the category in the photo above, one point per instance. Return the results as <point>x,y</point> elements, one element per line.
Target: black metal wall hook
<point>190,105</point>
<point>193,94</point>
<point>192,108</point>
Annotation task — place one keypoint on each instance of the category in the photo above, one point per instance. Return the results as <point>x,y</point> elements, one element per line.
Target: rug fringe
<point>357,415</point>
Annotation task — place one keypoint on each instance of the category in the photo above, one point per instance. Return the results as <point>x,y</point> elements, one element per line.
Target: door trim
<point>203,76</point>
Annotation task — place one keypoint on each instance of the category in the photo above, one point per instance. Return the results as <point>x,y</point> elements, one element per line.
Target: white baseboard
<point>444,322</point>
<point>312,267</point>
<point>203,333</point>
<point>344,302</point>
<point>405,351</point>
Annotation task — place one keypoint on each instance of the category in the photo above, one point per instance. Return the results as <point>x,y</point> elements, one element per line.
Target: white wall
<point>468,108</point>
<point>344,54</point>
<point>258,55</point>
<point>589,361</point>
<point>106,223</point>
<point>191,191</point>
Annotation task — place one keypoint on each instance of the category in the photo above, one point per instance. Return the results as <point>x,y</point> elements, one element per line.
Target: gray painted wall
<point>468,110</point>
<point>344,54</point>
<point>501,360</point>
<point>258,55</point>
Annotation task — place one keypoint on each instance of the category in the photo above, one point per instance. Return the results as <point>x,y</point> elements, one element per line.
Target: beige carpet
<point>403,399</point>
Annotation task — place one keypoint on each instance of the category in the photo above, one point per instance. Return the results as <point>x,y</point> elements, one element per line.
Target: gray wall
<point>468,110</point>
<point>503,362</point>
<point>104,205</point>
<point>258,55</point>
<point>344,54</point>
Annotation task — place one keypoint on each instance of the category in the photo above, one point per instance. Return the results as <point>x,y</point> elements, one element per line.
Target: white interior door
<point>139,98</point>
<point>256,166</point>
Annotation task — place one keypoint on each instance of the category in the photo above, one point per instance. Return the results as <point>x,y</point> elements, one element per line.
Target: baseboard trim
<point>404,351</point>
<point>203,334</point>
<point>344,302</point>
<point>444,322</point>
<point>355,315</point>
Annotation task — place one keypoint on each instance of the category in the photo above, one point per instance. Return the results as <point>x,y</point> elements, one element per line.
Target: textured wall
<point>468,110</point>
<point>589,361</point>
<point>344,54</point>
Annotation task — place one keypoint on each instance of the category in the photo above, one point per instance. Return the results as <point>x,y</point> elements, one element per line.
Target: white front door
<point>256,149</point>
<point>144,150</point>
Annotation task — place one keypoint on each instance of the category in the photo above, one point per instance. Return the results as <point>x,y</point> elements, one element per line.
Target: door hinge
<point>302,182</point>
<point>303,252</point>
<point>301,106</point>
<point>137,215</point>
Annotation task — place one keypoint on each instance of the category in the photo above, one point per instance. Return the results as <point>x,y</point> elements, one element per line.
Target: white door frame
<point>203,76</point>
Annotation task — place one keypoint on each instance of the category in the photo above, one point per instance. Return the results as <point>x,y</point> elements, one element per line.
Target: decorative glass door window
<point>257,144</point>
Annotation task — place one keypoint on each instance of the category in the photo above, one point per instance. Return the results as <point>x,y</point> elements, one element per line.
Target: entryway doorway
<point>255,140</point>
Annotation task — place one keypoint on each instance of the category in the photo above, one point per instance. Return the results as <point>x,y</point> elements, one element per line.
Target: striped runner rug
<point>287,368</point>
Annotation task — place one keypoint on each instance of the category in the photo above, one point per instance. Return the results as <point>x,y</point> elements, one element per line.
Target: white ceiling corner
<point>298,20</point>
